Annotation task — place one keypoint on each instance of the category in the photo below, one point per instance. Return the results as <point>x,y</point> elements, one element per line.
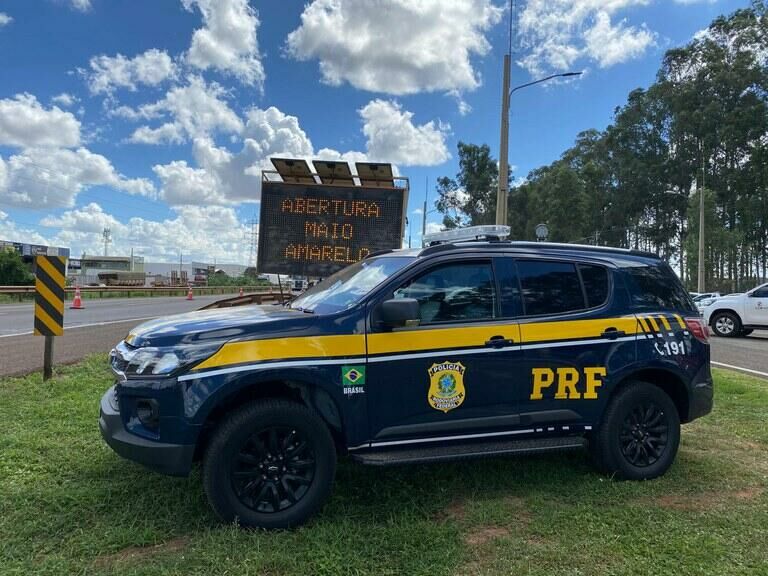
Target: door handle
<point>499,342</point>
<point>612,333</point>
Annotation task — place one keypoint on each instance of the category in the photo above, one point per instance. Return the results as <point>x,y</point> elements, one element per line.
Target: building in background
<point>29,251</point>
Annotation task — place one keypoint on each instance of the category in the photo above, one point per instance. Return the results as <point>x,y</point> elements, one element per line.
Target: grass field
<point>68,505</point>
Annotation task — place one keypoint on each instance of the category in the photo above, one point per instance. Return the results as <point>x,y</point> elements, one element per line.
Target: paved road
<point>18,318</point>
<point>750,353</point>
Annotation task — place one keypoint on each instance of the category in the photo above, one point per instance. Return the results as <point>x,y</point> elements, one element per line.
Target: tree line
<point>700,128</point>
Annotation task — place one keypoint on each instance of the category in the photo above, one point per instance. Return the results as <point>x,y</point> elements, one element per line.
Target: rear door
<point>453,374</point>
<point>576,338</point>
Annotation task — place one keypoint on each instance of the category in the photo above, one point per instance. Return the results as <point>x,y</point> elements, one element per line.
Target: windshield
<point>348,286</point>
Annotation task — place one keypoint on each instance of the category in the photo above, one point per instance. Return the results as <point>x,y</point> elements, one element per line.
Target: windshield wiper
<point>307,310</point>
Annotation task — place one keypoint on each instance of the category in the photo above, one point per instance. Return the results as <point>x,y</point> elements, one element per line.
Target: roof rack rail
<point>469,234</point>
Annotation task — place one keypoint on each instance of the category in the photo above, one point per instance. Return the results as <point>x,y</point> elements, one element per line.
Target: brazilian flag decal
<point>353,376</point>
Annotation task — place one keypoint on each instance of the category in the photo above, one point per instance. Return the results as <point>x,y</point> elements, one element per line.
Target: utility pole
<point>502,192</point>
<point>700,283</point>
<point>106,236</point>
<point>424,212</point>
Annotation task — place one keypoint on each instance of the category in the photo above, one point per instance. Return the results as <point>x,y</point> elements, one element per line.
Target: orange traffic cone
<point>77,303</point>
<point>241,292</point>
<point>189,293</point>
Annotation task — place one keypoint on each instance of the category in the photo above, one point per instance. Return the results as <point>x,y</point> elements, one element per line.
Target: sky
<point>154,118</point>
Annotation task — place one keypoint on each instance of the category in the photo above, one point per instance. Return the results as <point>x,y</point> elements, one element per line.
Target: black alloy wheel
<point>639,434</point>
<point>273,470</point>
<point>269,464</point>
<point>644,434</point>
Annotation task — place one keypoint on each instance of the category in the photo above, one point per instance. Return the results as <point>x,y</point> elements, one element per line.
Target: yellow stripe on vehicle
<point>286,348</point>
<point>665,322</point>
<point>574,329</point>
<point>655,325</point>
<point>680,320</point>
<point>439,338</point>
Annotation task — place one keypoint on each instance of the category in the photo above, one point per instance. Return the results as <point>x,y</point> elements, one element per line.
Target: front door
<point>453,374</point>
<point>574,342</point>
<point>756,307</point>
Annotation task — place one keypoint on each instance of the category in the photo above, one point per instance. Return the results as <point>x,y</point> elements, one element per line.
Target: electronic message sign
<point>315,230</point>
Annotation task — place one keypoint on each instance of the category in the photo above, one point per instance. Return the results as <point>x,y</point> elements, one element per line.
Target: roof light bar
<point>466,234</point>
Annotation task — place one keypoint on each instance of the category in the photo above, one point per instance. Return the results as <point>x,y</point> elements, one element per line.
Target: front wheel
<point>726,324</point>
<point>640,433</point>
<point>270,464</point>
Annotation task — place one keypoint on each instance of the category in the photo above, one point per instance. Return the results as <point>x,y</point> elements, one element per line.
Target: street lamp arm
<point>540,80</point>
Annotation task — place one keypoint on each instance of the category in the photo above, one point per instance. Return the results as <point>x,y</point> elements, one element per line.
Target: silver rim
<point>725,325</point>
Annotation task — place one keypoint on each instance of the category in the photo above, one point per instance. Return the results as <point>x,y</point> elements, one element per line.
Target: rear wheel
<point>726,324</point>
<point>640,433</point>
<point>271,464</point>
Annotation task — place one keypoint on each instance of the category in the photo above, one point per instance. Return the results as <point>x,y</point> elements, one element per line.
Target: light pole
<point>501,195</point>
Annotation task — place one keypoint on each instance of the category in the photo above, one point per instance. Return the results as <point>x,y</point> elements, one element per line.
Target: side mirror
<point>399,312</point>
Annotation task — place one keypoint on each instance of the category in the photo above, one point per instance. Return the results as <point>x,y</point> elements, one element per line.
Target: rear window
<point>595,280</point>
<point>549,287</point>
<point>657,287</point>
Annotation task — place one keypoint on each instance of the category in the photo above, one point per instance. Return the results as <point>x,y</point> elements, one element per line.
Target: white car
<point>739,314</point>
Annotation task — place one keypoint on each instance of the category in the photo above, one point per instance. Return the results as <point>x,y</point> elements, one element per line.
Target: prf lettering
<point>567,381</point>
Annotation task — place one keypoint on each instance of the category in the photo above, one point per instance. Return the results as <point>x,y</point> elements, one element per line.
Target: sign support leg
<point>48,358</point>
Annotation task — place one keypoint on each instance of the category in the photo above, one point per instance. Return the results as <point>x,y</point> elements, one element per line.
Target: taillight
<point>698,328</point>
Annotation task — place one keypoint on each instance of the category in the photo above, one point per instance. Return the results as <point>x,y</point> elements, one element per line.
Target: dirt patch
<point>139,553</point>
<point>480,536</point>
<point>707,500</point>
<point>455,511</point>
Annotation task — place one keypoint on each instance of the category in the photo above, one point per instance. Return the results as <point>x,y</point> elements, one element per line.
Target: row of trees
<point>702,127</point>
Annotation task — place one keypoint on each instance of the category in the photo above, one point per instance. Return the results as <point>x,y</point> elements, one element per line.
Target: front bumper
<point>171,459</point>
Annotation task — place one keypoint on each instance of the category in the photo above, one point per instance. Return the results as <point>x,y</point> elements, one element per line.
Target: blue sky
<point>154,117</point>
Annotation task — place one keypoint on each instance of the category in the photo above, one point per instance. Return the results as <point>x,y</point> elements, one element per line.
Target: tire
<point>270,464</point>
<point>726,324</point>
<point>746,331</point>
<point>638,410</point>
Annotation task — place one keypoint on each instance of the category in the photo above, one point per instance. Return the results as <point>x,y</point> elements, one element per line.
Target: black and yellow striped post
<point>49,304</point>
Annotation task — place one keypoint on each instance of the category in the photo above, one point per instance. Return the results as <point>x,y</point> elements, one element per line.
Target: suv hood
<point>218,324</point>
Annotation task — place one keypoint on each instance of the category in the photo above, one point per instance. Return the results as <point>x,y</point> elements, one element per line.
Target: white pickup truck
<point>738,315</point>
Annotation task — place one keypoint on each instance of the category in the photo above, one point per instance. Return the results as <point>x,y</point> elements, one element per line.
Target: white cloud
<point>560,33</point>
<point>81,5</point>
<point>392,136</point>
<point>5,19</point>
<point>24,122</point>
<point>88,219</point>
<point>45,178</point>
<point>195,110</point>
<point>227,42</point>
<point>108,73</point>
<point>398,46</point>
<point>10,231</point>
<point>64,99</point>
<point>433,227</point>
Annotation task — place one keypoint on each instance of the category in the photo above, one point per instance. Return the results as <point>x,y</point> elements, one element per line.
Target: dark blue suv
<point>458,350</point>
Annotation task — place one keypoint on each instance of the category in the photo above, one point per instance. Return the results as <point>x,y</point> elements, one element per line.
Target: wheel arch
<point>250,389</point>
<point>672,384</point>
<point>721,310</point>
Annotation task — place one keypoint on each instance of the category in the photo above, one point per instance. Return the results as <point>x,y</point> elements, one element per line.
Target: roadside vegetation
<point>68,505</point>
<point>699,127</point>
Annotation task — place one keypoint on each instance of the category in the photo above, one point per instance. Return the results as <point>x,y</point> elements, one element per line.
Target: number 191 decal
<point>670,348</point>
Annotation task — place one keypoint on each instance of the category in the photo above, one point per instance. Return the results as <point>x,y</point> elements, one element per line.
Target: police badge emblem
<point>446,385</point>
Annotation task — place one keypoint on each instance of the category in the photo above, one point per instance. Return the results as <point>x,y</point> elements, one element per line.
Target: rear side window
<point>595,280</point>
<point>549,287</point>
<point>657,287</point>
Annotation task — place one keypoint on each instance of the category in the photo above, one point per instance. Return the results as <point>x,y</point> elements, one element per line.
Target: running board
<point>465,451</point>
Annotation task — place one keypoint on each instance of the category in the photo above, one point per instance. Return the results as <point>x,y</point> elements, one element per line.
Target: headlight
<point>159,361</point>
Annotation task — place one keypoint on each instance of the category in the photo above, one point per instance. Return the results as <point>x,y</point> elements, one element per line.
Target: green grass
<point>68,505</point>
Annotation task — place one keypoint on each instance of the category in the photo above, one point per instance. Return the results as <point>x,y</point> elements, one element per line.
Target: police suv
<point>472,347</point>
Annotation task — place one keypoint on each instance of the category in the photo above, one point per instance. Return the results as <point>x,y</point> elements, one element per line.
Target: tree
<point>470,198</point>
<point>12,269</point>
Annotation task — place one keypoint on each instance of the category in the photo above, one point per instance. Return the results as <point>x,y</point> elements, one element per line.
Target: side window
<point>595,279</point>
<point>453,292</point>
<point>549,287</point>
